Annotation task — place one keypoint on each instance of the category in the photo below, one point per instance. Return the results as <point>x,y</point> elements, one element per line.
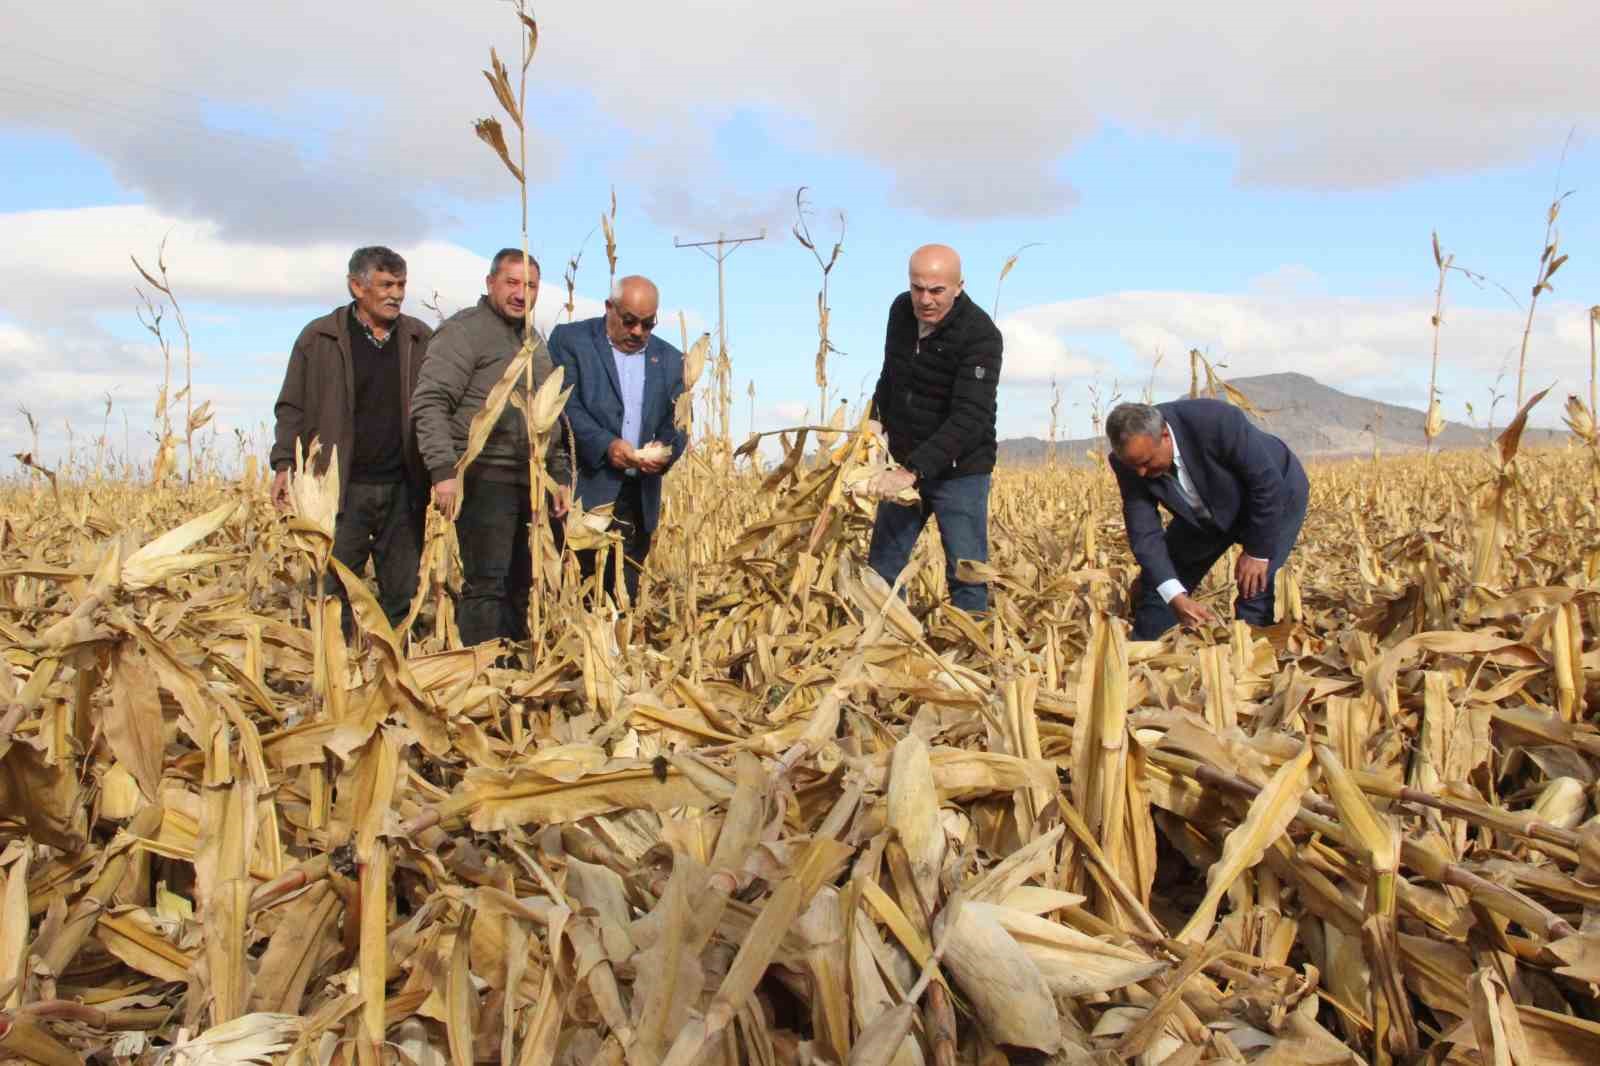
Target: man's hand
<point>891,483</point>
<point>447,497</point>
<point>621,455</point>
<point>1251,574</point>
<point>1191,612</point>
<point>651,466</point>
<point>563,501</point>
<point>280,490</point>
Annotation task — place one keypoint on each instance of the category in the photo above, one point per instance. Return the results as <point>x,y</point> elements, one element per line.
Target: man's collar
<point>355,317</point>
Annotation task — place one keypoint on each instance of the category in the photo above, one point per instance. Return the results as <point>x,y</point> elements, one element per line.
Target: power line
<point>130,79</point>
<point>92,104</point>
<point>155,122</point>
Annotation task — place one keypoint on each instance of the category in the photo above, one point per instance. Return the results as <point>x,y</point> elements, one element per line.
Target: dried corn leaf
<point>1268,818</point>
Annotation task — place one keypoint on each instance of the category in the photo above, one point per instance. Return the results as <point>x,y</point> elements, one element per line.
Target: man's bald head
<point>939,259</point>
<point>935,282</point>
<point>631,312</point>
<point>635,287</point>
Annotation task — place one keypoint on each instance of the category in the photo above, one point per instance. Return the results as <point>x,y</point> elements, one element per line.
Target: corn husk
<point>548,402</point>
<point>1008,994</point>
<point>655,452</point>
<point>247,1039</point>
<point>694,361</point>
<point>913,813</point>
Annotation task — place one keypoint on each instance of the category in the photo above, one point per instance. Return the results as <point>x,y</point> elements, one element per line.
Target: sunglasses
<point>634,321</point>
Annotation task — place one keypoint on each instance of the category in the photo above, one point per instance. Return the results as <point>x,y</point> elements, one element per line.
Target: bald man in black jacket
<point>936,401</point>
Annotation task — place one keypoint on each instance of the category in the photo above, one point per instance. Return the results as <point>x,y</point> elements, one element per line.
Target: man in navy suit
<point>625,384</point>
<point>1224,482</point>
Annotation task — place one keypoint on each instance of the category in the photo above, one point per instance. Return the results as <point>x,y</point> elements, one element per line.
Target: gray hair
<point>1129,420</point>
<point>511,253</point>
<point>376,257</point>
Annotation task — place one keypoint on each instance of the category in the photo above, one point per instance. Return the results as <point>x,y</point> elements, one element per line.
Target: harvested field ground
<point>779,823</point>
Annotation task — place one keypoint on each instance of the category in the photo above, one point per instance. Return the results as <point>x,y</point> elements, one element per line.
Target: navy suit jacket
<point>595,409</point>
<point>1245,477</point>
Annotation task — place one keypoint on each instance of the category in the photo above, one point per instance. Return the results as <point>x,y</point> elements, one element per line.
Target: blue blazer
<point>1246,477</point>
<point>595,409</point>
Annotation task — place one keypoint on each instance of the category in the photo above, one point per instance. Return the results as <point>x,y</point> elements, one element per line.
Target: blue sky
<point>1262,186</point>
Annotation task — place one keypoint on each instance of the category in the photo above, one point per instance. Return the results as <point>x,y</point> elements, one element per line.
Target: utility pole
<point>725,246</point>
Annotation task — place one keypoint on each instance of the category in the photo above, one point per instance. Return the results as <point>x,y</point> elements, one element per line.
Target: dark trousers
<point>961,504</point>
<point>627,518</point>
<point>383,523</point>
<point>1195,549</point>
<point>496,566</point>
<point>496,563</point>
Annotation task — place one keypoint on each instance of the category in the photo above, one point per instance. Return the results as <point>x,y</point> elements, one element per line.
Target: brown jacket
<point>318,395</point>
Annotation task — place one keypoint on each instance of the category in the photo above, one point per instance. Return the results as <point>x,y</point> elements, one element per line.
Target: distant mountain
<point>1312,418</point>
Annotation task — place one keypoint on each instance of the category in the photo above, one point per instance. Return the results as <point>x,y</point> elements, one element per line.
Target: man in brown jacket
<point>349,383</point>
<point>466,359</point>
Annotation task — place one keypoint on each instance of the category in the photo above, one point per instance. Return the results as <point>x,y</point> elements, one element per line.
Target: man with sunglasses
<point>625,384</point>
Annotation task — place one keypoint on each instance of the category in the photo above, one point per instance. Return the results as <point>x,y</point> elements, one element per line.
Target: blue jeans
<point>961,504</point>
<point>1195,549</point>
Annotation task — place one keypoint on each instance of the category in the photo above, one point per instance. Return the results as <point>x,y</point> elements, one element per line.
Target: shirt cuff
<point>1170,589</point>
<point>1257,558</point>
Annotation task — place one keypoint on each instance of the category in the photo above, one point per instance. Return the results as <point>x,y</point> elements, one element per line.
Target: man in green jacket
<point>491,509</point>
<point>349,385</point>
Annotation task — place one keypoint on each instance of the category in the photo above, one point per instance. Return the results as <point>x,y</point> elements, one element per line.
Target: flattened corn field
<point>777,817</point>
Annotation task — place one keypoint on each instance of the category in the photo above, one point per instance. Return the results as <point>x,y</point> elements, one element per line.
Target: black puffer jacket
<point>937,400</point>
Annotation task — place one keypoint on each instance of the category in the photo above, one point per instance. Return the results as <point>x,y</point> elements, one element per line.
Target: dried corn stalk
<point>782,812</point>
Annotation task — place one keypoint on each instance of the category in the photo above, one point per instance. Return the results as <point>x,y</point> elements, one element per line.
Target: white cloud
<point>1371,347</point>
<point>700,210</point>
<point>16,341</point>
<point>1035,355</point>
<point>789,414</point>
<point>78,386</point>
<point>969,114</point>
<point>64,260</point>
<point>296,122</point>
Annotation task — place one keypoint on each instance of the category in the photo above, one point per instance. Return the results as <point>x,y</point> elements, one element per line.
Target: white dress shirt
<point>630,376</point>
<point>1172,587</point>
